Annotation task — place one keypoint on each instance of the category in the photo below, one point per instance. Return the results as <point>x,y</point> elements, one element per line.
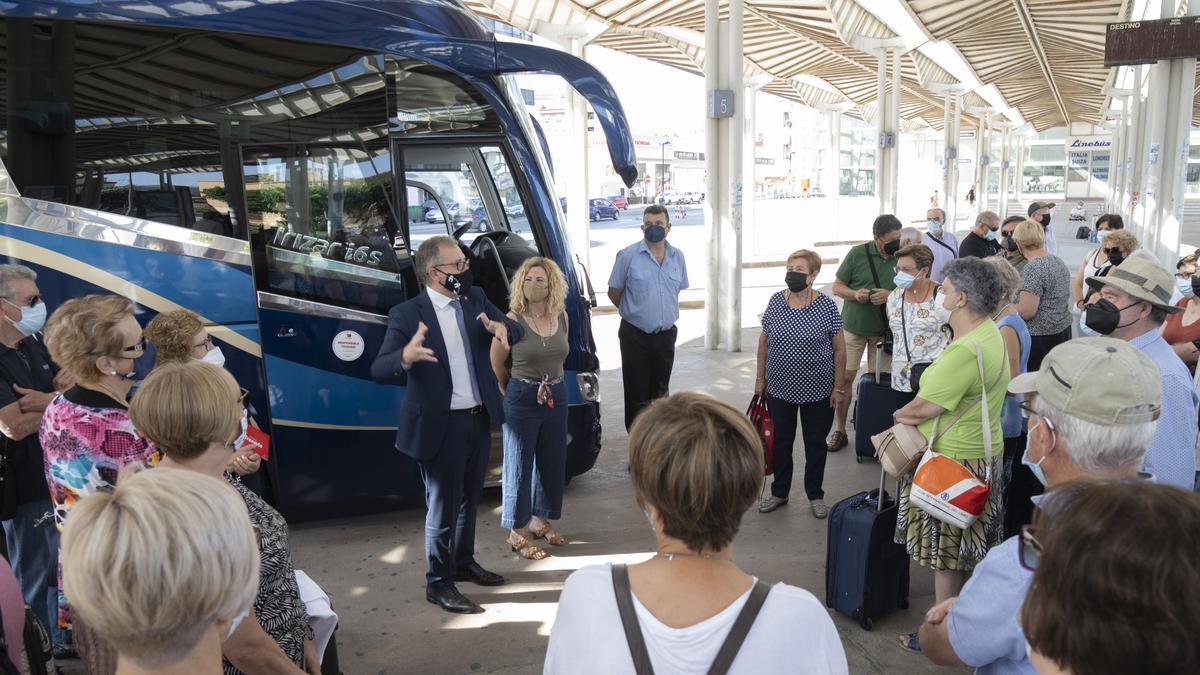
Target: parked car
<point>602,208</point>
<point>619,201</point>
<point>693,197</point>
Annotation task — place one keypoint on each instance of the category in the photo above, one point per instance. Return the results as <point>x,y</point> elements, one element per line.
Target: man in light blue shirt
<point>941,240</point>
<point>1135,301</point>
<point>644,285</point>
<point>1093,404</point>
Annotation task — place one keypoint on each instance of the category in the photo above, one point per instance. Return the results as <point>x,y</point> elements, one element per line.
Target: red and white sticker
<point>348,345</point>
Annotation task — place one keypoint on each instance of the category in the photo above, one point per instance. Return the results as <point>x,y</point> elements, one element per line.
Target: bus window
<point>510,197</point>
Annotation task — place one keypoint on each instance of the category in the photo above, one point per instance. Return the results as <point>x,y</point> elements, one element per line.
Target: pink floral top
<point>87,439</point>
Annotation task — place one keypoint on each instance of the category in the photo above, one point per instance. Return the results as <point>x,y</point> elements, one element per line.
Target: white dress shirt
<point>456,354</point>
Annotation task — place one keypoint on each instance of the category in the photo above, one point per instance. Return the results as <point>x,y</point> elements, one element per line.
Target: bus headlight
<point>589,386</point>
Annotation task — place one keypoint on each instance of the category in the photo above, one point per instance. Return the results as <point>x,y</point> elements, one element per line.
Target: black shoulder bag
<point>637,643</point>
<point>889,340</point>
<point>915,370</point>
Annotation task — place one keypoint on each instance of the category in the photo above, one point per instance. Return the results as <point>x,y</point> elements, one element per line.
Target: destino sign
<point>1086,142</point>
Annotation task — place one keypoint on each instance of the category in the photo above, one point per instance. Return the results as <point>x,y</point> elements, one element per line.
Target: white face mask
<point>237,621</point>
<point>214,356</point>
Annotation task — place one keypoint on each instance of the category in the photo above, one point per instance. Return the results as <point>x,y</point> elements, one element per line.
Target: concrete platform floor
<point>373,566</point>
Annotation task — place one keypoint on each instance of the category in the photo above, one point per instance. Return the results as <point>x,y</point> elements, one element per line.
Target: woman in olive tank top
<point>530,376</point>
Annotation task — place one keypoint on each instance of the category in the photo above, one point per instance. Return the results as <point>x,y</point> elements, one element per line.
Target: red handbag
<point>760,417</point>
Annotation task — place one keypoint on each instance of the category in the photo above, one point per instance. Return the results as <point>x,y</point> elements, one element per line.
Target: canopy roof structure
<point>1035,61</point>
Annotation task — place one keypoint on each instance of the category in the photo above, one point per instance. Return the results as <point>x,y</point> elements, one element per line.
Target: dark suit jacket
<point>425,412</point>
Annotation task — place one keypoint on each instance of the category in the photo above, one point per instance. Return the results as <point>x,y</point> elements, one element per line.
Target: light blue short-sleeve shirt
<point>650,291</point>
<point>1171,456</point>
<point>983,625</point>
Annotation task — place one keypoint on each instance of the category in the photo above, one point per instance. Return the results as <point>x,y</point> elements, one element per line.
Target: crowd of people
<point>1087,448</point>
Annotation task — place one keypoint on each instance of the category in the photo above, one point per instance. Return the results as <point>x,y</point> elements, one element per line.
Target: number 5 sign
<point>720,103</point>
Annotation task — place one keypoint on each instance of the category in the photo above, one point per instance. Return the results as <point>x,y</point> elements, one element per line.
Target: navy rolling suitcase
<point>866,572</point>
<point>874,406</point>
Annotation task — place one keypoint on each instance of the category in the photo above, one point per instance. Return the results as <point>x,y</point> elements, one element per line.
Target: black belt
<point>468,411</point>
<point>660,331</point>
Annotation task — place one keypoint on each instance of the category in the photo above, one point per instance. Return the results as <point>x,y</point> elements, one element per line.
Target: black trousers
<point>1021,486</point>
<point>453,482</point>
<point>646,362</point>
<point>1040,346</point>
<point>816,419</point>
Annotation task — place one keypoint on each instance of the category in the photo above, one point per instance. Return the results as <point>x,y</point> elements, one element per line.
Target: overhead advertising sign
<point>1134,42</point>
<point>1086,142</point>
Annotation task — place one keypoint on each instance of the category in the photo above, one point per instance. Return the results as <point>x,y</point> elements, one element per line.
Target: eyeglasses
<point>207,343</point>
<point>31,302</point>
<point>1109,251</point>
<point>1029,549</point>
<point>139,347</point>
<point>459,266</point>
<point>1185,275</point>
<point>242,395</point>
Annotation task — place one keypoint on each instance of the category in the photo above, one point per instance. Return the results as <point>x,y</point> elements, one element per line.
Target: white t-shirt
<point>792,634</point>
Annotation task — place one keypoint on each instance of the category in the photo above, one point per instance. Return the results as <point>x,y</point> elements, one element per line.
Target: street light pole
<point>662,168</point>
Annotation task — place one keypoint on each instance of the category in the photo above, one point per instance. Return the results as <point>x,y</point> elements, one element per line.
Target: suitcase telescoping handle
<point>882,480</point>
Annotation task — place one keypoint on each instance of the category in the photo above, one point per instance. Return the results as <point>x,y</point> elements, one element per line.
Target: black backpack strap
<point>875,277</point>
<point>633,632</point>
<point>741,628</point>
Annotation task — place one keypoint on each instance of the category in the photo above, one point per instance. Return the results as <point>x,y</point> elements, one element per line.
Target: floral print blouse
<point>87,439</point>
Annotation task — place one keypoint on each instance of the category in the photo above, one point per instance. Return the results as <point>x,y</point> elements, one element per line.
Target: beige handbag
<point>900,448</point>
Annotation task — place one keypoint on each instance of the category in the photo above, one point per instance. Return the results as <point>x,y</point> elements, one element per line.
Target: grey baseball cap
<point>1100,380</point>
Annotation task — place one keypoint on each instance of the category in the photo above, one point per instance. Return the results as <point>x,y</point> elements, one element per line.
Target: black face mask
<point>891,247</point>
<point>1010,244</point>
<point>1116,257</point>
<point>1105,317</point>
<point>1046,220</point>
<point>1196,285</point>
<point>459,284</point>
<point>796,281</point>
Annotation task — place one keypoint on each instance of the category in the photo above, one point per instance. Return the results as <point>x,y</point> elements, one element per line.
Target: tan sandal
<point>526,549</point>
<point>551,536</point>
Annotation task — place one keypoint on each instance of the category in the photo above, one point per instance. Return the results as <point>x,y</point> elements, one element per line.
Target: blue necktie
<point>466,340</point>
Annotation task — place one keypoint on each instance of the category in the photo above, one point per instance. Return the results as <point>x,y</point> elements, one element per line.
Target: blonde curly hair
<point>83,329</point>
<point>172,334</point>
<point>556,301</point>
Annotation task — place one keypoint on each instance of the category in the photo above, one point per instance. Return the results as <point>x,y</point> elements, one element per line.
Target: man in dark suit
<point>438,344</point>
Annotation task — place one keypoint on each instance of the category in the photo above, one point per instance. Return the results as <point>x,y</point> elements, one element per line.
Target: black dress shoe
<point>448,598</point>
<point>475,572</point>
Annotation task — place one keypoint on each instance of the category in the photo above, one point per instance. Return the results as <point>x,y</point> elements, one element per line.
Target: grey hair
<point>9,274</point>
<point>910,233</point>
<point>429,251</point>
<point>1098,447</point>
<point>979,280</point>
<point>1009,276</point>
<point>989,218</point>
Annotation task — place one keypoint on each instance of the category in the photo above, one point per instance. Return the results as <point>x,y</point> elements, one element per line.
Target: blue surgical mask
<point>935,226</point>
<point>32,318</point>
<point>903,279</point>
<point>1102,234</point>
<point>1185,287</point>
<point>655,233</point>
<point>991,235</point>
<point>1035,467</point>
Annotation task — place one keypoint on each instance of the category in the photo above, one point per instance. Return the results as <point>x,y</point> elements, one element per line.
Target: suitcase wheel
<point>866,623</point>
<point>858,459</point>
<point>904,604</point>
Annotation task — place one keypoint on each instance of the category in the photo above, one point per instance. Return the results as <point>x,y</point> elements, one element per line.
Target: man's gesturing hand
<point>416,350</point>
<point>498,329</point>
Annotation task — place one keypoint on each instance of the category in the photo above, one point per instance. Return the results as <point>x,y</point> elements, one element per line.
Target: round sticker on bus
<point>348,345</point>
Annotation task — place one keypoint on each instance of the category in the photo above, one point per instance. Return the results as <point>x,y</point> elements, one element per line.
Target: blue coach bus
<point>271,166</point>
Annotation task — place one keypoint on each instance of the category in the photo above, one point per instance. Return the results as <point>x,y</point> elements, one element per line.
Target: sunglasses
<point>1029,549</point>
<point>139,347</point>
<point>207,342</point>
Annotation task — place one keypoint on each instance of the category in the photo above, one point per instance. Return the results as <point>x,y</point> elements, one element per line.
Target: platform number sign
<point>720,103</point>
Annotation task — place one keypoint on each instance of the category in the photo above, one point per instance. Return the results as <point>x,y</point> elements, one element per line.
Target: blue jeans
<point>33,552</point>
<point>535,454</point>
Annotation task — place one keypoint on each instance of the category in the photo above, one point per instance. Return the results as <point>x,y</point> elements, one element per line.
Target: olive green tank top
<point>536,356</point>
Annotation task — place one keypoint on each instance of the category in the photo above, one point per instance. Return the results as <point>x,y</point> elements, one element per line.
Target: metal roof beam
<point>1035,44</point>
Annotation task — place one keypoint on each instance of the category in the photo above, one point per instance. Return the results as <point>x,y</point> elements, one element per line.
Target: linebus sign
<point>1135,42</point>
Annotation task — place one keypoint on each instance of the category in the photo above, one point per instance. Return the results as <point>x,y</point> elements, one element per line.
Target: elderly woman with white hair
<point>949,410</point>
<point>188,569</point>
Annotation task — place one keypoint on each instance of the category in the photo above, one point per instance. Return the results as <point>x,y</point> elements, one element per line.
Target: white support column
<point>731,262</point>
<point>832,185</point>
<point>894,128</point>
<point>1019,183</point>
<point>881,117</point>
<point>715,198</point>
<point>951,116</point>
<point>754,81</point>
<point>983,149</point>
<point>1176,118</point>
<point>1006,130</point>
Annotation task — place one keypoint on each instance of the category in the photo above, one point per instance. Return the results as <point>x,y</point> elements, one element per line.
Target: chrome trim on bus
<point>81,223</point>
<point>309,308</point>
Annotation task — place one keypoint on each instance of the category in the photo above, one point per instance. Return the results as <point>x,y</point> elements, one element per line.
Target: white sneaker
<point>819,510</point>
<point>770,503</point>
